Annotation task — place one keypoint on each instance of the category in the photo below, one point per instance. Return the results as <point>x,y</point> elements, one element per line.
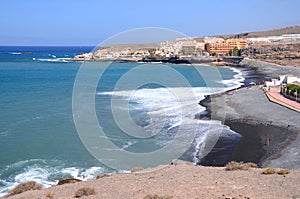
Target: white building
<point>290,79</point>
<point>213,39</point>
<point>285,37</point>
<point>283,79</point>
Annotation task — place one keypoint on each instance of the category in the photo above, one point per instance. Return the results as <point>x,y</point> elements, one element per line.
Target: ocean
<point>40,141</point>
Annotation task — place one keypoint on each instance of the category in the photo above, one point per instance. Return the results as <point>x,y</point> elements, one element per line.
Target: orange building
<point>219,48</point>
<point>222,48</point>
<point>239,43</point>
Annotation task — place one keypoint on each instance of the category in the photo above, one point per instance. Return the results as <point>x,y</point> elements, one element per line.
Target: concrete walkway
<point>274,96</point>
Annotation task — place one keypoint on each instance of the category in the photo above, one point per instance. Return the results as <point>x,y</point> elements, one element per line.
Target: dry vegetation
<point>68,181</point>
<point>50,195</point>
<point>103,176</point>
<point>283,172</point>
<point>86,191</point>
<point>26,186</point>
<point>269,171</point>
<point>136,169</point>
<point>231,166</point>
<point>157,197</point>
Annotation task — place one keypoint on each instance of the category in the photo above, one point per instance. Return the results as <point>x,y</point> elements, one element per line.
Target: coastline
<point>228,184</point>
<point>257,124</point>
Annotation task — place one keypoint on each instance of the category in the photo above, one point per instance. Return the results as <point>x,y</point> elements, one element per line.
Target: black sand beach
<point>249,113</point>
<point>254,145</point>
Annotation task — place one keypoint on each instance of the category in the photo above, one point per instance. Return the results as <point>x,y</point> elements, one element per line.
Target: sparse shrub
<point>269,171</point>
<point>157,197</point>
<point>136,169</point>
<point>103,176</point>
<point>26,186</point>
<point>50,195</point>
<point>231,166</point>
<point>284,172</point>
<point>86,191</point>
<point>68,181</point>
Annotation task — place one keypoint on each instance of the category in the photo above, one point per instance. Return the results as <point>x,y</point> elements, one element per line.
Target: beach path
<point>274,95</point>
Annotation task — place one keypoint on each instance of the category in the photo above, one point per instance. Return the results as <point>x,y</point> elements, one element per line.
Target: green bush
<point>293,88</point>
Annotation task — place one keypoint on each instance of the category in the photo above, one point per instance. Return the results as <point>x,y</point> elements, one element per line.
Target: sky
<point>89,22</point>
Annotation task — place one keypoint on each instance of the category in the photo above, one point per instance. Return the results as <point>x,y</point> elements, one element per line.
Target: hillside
<point>275,32</point>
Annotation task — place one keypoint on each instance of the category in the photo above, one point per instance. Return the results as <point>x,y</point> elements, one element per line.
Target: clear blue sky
<point>88,22</point>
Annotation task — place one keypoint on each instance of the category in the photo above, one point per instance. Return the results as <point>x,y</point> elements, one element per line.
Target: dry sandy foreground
<point>182,181</point>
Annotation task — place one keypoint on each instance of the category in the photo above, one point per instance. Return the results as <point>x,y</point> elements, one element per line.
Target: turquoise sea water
<point>38,138</point>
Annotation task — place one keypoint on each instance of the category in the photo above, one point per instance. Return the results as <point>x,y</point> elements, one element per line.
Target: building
<point>224,47</point>
<point>213,39</point>
<point>238,43</point>
<point>258,40</point>
<point>290,79</point>
<point>219,48</point>
<point>283,79</point>
<point>200,46</point>
<point>189,49</point>
<point>281,38</point>
<point>182,46</point>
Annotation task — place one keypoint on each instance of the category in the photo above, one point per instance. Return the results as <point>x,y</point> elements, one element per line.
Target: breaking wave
<point>44,172</point>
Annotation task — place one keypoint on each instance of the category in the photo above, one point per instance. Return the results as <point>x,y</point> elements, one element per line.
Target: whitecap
<point>4,133</point>
<point>54,60</point>
<point>15,53</point>
<point>42,171</point>
<point>237,80</point>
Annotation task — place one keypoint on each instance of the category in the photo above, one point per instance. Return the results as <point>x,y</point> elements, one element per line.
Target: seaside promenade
<point>274,95</point>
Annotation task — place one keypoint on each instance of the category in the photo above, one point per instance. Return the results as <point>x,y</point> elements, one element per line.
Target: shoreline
<point>211,61</point>
<point>255,129</point>
<point>250,148</point>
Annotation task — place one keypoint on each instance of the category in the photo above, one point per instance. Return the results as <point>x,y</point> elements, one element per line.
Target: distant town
<point>273,46</point>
